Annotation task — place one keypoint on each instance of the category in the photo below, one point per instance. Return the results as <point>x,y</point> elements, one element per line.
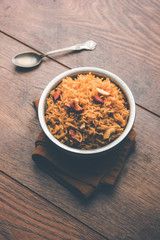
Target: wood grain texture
<point>126,32</point>
<point>131,210</point>
<point>24,215</point>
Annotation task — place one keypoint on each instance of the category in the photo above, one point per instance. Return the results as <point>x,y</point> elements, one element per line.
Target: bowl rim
<point>55,81</point>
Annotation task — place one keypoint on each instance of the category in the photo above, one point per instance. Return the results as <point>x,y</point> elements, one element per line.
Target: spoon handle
<point>89,45</point>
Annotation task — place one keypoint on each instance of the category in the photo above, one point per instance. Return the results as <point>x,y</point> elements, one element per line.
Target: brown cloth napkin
<point>83,175</point>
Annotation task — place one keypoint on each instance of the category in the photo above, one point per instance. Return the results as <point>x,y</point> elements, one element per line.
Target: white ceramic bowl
<point>75,71</point>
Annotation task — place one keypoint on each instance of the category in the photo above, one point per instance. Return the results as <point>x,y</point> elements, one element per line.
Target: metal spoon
<point>31,59</point>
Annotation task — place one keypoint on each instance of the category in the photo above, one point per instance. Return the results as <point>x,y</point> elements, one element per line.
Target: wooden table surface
<point>33,205</point>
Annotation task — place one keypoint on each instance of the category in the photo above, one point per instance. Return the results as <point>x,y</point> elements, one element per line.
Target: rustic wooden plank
<point>18,89</point>
<point>127,34</point>
<point>131,210</point>
<point>28,216</point>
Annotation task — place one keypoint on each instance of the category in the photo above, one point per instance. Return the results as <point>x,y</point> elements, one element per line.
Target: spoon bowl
<point>27,59</point>
<point>31,59</point>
